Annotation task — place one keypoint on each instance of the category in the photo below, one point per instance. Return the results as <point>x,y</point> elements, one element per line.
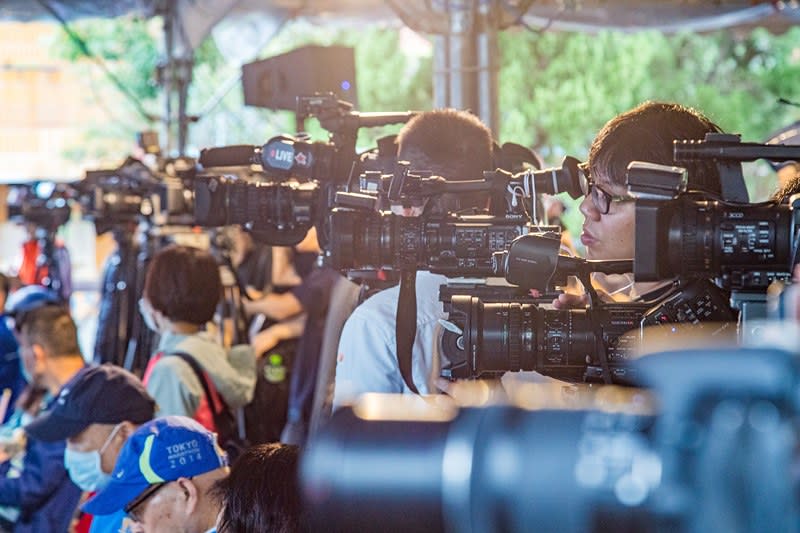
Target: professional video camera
<point>718,455</point>
<point>439,240</point>
<point>487,338</point>
<point>697,234</point>
<point>277,211</point>
<point>134,192</point>
<point>45,204</point>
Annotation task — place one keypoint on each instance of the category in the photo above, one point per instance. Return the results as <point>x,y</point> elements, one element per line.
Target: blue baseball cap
<point>25,300</point>
<point>104,394</point>
<point>159,451</point>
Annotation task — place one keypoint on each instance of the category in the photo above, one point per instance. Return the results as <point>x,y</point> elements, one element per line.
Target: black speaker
<point>276,82</point>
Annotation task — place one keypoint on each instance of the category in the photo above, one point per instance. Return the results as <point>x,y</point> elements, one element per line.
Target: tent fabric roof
<point>27,10</point>
<point>563,15</point>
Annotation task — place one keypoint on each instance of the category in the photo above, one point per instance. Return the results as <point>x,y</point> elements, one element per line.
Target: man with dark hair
<point>457,146</point>
<point>262,492</point>
<point>164,478</point>
<point>43,492</point>
<point>644,133</point>
<point>181,293</point>
<point>448,143</point>
<point>96,412</point>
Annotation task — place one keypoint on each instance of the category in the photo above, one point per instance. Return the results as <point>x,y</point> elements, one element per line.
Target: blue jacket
<point>10,373</point>
<point>44,493</point>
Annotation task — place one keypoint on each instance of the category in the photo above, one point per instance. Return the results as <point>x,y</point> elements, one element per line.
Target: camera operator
<point>453,144</point>
<point>301,313</point>
<point>644,133</point>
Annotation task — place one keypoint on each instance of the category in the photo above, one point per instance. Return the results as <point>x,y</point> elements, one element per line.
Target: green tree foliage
<point>558,89</point>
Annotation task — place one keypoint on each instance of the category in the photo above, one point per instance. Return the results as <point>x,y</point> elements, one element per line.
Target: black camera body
<point>745,247</point>
<point>486,338</point>
<point>696,234</point>
<point>44,204</point>
<point>297,179</point>
<point>453,245</point>
<point>135,192</point>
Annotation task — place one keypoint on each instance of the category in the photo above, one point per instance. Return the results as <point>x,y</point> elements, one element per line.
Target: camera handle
<point>584,275</point>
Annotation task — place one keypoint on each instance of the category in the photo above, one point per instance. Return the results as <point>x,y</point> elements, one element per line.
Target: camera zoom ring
<point>514,337</point>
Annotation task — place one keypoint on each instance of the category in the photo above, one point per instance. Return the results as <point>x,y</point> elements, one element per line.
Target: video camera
<point>363,235</point>
<point>46,204</point>
<point>695,234</point>
<point>718,455</point>
<point>487,338</point>
<point>134,191</point>
<point>275,210</point>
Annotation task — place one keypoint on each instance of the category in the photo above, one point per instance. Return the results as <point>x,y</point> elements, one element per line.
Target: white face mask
<point>84,468</point>
<point>148,315</point>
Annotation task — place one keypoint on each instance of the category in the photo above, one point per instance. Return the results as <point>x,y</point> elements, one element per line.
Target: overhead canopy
<point>564,15</point>
<point>465,31</point>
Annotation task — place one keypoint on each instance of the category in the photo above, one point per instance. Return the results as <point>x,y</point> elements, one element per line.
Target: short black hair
<point>183,284</point>
<point>450,143</point>
<point>262,492</point>
<point>51,327</point>
<point>646,133</point>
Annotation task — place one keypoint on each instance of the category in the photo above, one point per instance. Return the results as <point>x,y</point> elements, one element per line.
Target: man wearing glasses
<point>164,478</point>
<point>645,133</point>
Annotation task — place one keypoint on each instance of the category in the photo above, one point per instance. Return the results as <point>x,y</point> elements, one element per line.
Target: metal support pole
<point>466,60</point>
<point>166,78</point>
<point>488,64</point>
<point>461,40</point>
<point>441,72</point>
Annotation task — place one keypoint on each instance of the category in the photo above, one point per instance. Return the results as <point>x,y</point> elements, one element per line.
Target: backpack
<point>265,416</point>
<point>226,423</point>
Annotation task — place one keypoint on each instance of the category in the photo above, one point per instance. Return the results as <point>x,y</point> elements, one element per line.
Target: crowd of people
<point>209,436</point>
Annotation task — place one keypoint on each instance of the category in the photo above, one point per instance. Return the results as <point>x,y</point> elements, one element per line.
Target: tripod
<point>119,294</point>
<point>52,263</point>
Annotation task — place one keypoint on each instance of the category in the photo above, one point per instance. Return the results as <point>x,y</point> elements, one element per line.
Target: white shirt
<point>367,356</point>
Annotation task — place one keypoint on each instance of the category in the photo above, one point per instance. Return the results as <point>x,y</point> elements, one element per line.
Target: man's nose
<point>588,209</point>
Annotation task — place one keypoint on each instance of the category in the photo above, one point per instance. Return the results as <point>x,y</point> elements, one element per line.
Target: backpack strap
<point>201,377</point>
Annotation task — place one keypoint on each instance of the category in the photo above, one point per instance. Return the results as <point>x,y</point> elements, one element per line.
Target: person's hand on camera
<point>469,392</point>
<point>571,301</point>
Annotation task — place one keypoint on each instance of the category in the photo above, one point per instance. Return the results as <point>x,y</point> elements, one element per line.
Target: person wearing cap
<point>13,306</point>
<point>164,478</point>
<point>43,492</point>
<point>96,412</point>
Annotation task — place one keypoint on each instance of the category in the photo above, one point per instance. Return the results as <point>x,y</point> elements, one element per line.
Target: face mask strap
<point>109,439</point>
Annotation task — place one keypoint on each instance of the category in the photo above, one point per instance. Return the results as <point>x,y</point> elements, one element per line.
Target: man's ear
<point>125,429</point>
<point>39,353</point>
<point>190,494</point>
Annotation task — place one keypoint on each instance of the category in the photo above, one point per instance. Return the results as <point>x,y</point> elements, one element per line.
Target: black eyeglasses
<point>130,509</point>
<point>600,198</point>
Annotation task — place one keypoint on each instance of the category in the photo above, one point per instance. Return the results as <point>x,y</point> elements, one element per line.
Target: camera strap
<point>406,325</point>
